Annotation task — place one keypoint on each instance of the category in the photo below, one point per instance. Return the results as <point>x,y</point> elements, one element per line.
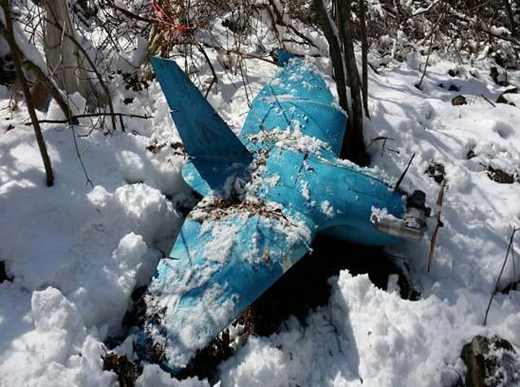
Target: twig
<point>384,139</point>
<point>509,247</point>
<point>91,115</point>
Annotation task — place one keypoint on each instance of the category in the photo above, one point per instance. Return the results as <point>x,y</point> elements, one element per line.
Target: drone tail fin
<point>205,135</point>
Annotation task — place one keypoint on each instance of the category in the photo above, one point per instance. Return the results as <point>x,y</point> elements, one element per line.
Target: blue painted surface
<point>197,293</point>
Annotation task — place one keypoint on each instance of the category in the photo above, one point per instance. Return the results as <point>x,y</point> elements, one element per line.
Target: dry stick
<point>96,71</point>
<point>509,247</point>
<point>491,103</point>
<point>364,55</point>
<point>25,87</point>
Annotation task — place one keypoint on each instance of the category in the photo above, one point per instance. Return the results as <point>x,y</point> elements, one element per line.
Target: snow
<point>222,239</point>
<point>327,209</point>
<point>382,213</point>
<point>78,250</point>
<point>258,364</point>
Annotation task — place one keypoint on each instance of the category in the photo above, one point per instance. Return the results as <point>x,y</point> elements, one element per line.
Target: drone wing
<point>219,265</point>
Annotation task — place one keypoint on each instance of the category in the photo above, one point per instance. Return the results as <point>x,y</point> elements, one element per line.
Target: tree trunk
<point>353,144</point>
<point>364,54</point>
<point>511,17</point>
<point>330,31</point>
<point>65,61</point>
<point>26,92</point>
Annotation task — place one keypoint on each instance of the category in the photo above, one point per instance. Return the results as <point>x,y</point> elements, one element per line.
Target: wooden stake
<point>433,241</point>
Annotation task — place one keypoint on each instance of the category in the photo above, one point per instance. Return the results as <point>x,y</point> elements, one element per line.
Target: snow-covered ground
<point>77,250</point>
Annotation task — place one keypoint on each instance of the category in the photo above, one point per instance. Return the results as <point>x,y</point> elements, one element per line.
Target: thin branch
<point>215,78</point>
<point>79,157</point>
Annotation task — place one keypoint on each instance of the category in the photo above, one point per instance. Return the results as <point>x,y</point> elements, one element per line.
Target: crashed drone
<point>265,195</point>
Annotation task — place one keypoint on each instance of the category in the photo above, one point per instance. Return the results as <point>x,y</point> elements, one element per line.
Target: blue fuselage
<point>295,133</point>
